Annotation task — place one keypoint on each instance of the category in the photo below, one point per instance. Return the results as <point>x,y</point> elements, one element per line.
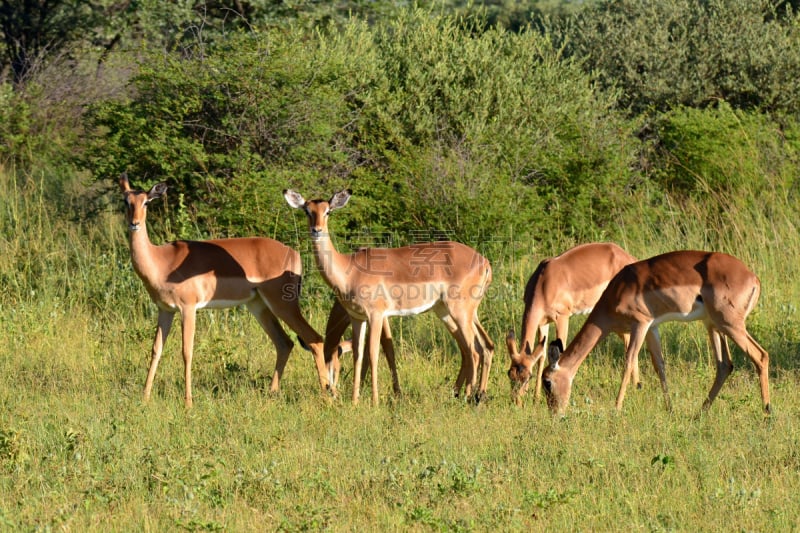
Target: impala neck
<point>331,264</point>
<point>141,251</point>
<point>577,351</point>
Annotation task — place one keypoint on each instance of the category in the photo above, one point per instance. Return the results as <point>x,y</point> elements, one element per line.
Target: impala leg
<point>359,336</point>
<point>477,364</point>
<point>540,365</point>
<point>443,313</point>
<point>465,337</point>
<point>760,359</point>
<point>188,318</point>
<point>486,348</point>
<point>626,340</point>
<point>465,371</point>
<point>162,331</point>
<point>291,315</point>
<point>467,374</point>
<point>638,332</point>
<point>757,355</point>
<point>722,357</point>
<point>653,339</point>
<point>283,344</point>
<point>338,321</point>
<point>388,349</point>
<point>480,360</point>
<point>537,353</point>
<point>562,330</point>
<point>375,330</point>
<point>544,332</point>
<point>366,366</point>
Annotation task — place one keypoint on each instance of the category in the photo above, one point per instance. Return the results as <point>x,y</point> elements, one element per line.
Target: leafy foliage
<point>425,107</point>
<point>29,30</point>
<point>685,52</point>
<point>723,151</point>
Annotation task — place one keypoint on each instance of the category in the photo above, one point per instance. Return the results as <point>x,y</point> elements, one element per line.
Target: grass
<point>82,452</point>
<point>79,451</point>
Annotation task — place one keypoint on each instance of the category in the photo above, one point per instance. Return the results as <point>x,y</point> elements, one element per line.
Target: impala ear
<point>157,191</point>
<point>124,184</point>
<point>294,199</point>
<point>511,344</point>
<point>339,199</point>
<point>344,347</point>
<point>554,351</point>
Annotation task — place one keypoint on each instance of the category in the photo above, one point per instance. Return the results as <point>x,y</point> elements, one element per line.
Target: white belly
<point>411,311</point>
<point>697,312</point>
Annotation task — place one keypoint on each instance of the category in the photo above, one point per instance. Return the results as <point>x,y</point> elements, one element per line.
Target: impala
<point>338,320</point>
<point>374,283</point>
<point>684,285</point>
<point>184,276</point>
<point>560,287</point>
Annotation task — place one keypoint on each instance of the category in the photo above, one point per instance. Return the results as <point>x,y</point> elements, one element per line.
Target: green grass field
<point>79,451</point>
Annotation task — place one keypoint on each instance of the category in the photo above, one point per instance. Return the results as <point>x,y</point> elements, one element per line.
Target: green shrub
<point>14,123</point>
<point>436,124</point>
<point>684,52</point>
<point>501,114</point>
<point>723,151</point>
<point>229,118</point>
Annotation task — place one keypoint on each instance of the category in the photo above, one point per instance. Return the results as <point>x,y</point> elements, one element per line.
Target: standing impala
<point>685,285</point>
<point>184,276</point>
<point>374,283</point>
<point>560,287</point>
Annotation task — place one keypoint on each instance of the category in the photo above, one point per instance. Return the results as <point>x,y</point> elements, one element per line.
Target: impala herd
<point>622,295</point>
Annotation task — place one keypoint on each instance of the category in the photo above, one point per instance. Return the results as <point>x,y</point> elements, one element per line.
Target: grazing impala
<point>685,285</point>
<point>184,276</point>
<point>560,287</point>
<point>375,283</point>
<point>338,320</point>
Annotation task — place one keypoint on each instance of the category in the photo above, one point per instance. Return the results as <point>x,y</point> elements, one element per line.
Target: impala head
<point>317,211</point>
<point>136,201</point>
<point>521,369</point>
<point>556,381</point>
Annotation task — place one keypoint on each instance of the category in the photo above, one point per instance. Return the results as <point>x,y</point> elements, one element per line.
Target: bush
<point>722,151</point>
<point>684,52</point>
<point>435,124</point>
<point>504,113</point>
<point>229,119</point>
